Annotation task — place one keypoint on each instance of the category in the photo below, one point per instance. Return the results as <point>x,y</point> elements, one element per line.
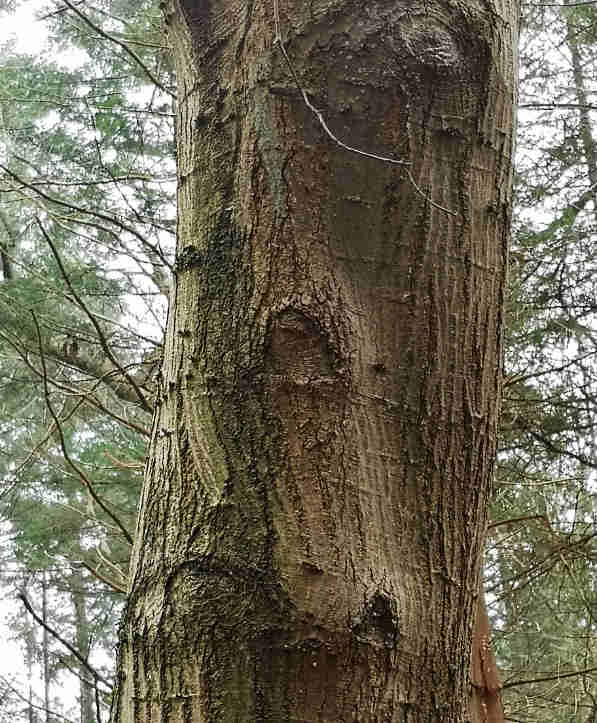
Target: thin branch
<point>82,476</point>
<point>517,378</point>
<point>560,5</point>
<point>111,565</point>
<point>124,46</point>
<point>557,676</point>
<point>553,106</point>
<point>97,676</point>
<point>30,703</point>
<point>81,364</point>
<point>102,578</point>
<point>554,448</point>
<point>124,465</point>
<point>319,115</point>
<point>512,520</point>
<point>97,214</point>
<point>101,336</point>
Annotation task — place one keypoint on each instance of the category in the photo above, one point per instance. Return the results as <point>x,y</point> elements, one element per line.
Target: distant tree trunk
<point>30,656</point>
<point>311,524</point>
<point>86,694</point>
<point>587,142</point>
<point>45,645</point>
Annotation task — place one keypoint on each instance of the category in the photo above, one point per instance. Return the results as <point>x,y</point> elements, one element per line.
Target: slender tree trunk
<point>585,123</point>
<point>86,692</point>
<point>310,532</point>
<point>30,656</point>
<point>45,646</point>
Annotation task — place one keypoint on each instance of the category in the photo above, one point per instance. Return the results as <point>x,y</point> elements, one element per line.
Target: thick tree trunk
<point>311,524</point>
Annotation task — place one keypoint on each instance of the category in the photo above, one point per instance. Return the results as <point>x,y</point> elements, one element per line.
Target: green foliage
<point>542,551</point>
<point>87,223</point>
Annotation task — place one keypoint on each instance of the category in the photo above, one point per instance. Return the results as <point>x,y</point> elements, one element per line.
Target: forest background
<point>87,229</point>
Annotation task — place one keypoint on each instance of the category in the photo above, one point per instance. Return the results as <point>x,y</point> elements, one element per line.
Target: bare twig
<point>79,472</point>
<point>97,676</point>
<point>101,336</point>
<point>124,46</point>
<point>319,115</point>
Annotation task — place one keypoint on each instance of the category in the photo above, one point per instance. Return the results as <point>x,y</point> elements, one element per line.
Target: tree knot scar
<point>434,47</point>
<point>187,258</point>
<point>300,351</point>
<point>379,624</point>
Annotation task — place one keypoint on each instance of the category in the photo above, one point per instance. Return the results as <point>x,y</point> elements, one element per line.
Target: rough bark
<point>310,531</point>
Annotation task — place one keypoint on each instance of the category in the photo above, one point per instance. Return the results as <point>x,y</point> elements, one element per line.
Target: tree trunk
<point>45,646</point>
<point>83,638</point>
<point>311,524</point>
<point>587,142</point>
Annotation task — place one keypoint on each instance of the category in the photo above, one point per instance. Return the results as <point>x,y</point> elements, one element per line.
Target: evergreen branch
<point>82,364</point>
<point>90,398</point>
<point>97,676</point>
<point>546,679</point>
<point>101,336</point>
<point>31,704</point>
<point>102,578</point>
<point>96,28</point>
<point>64,221</point>
<point>96,182</point>
<point>583,459</point>
<point>82,476</point>
<point>87,212</point>
<point>518,378</point>
<point>36,449</point>
<point>106,168</point>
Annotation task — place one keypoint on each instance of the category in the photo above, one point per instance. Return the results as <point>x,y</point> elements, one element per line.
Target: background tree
<point>541,572</point>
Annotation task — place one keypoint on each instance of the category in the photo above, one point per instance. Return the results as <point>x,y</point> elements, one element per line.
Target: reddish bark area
<point>486,702</point>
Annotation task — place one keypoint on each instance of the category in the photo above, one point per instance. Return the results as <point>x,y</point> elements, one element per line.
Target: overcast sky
<point>23,27</point>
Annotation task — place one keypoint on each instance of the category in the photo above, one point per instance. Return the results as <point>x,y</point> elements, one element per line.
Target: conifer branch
<point>96,28</point>
<point>88,212</point>
<point>100,334</point>
<point>79,472</point>
<point>97,676</point>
